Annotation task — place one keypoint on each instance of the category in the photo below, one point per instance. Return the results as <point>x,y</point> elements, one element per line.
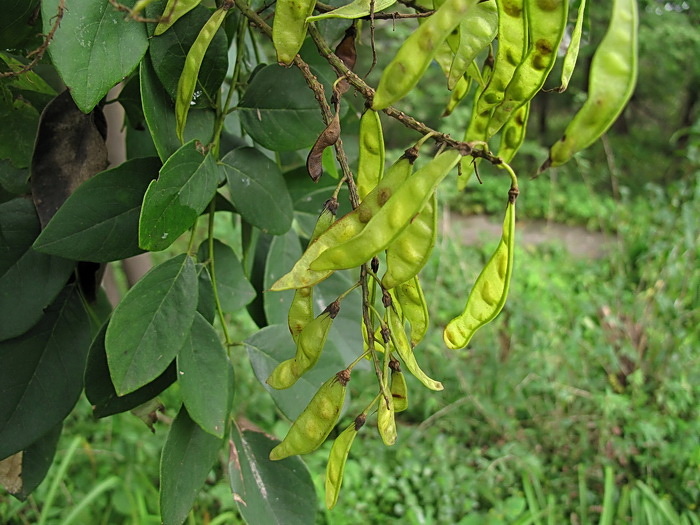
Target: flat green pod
<point>355,9</point>
<point>490,290</point>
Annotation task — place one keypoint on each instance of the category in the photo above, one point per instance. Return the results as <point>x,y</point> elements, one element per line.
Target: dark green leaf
<point>36,460</point>
<point>279,110</point>
<point>270,492</point>
<point>235,291</point>
<point>99,388</point>
<point>42,373</point>
<point>151,324</point>
<point>95,47</point>
<point>272,345</point>
<point>17,23</point>
<point>159,111</point>
<point>206,304</point>
<point>188,455</point>
<point>19,123</point>
<point>99,221</point>
<point>14,180</point>
<point>203,366</point>
<point>29,280</point>
<point>185,186</point>
<point>168,52</point>
<point>285,250</point>
<point>258,190</point>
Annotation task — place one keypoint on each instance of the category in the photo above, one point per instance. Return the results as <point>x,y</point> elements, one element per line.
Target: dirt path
<point>578,241</point>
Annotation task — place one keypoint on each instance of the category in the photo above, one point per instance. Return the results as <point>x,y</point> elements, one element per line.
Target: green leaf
<point>206,304</point>
<point>20,121</point>
<point>36,460</point>
<point>270,492</point>
<point>203,376</point>
<point>159,112</point>
<point>99,221</point>
<point>279,110</point>
<point>14,180</point>
<point>16,23</point>
<point>29,280</point>
<point>99,388</point>
<point>272,345</point>
<point>188,455</point>
<point>151,324</point>
<point>234,289</point>
<point>285,250</point>
<point>185,186</point>
<point>168,52</point>
<point>41,373</point>
<point>258,190</point>
<point>94,48</point>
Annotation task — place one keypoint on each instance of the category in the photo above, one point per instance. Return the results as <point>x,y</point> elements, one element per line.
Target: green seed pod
<point>399,390</point>
<point>310,344</point>
<point>416,53</point>
<point>370,163</point>
<point>513,133</point>
<point>572,51</point>
<point>313,425</point>
<point>289,27</point>
<point>337,459</point>
<point>414,308</point>
<point>546,22</point>
<point>346,227</point>
<point>174,10</point>
<point>476,31</point>
<point>193,61</point>
<point>460,90</point>
<point>405,351</point>
<point>386,423</point>
<point>355,9</point>
<point>391,219</point>
<point>407,255</point>
<point>613,76</point>
<point>490,290</point>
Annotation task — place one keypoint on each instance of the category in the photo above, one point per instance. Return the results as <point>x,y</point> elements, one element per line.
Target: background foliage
<point>579,404</point>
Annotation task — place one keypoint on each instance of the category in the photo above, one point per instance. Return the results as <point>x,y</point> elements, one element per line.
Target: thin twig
<point>38,53</point>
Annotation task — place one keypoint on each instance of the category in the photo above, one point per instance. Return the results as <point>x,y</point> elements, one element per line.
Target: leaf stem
<point>212,271</point>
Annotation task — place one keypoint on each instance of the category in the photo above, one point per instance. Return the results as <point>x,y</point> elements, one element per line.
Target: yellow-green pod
<point>409,252</point>
<point>571,56</point>
<point>289,27</point>
<point>346,227</point>
<point>458,93</point>
<point>476,31</point>
<point>403,348</point>
<point>337,459</point>
<point>399,390</point>
<point>313,425</point>
<point>512,44</point>
<point>193,61</point>
<point>613,76</point>
<point>513,133</point>
<point>386,422</point>
<point>301,309</point>
<point>174,10</point>
<point>417,51</point>
<point>546,25</point>
<point>414,308</point>
<point>370,163</point>
<point>310,344</point>
<point>490,290</point>
<point>391,219</point>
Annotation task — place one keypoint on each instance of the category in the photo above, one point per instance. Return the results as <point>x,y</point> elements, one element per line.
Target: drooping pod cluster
<point>391,231</point>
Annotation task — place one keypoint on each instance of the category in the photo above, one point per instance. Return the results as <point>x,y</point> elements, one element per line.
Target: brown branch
<point>38,53</point>
<point>319,93</point>
<point>466,148</point>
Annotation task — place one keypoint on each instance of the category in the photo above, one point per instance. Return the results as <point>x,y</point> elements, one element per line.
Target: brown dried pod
<point>330,135</point>
<point>347,53</point>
